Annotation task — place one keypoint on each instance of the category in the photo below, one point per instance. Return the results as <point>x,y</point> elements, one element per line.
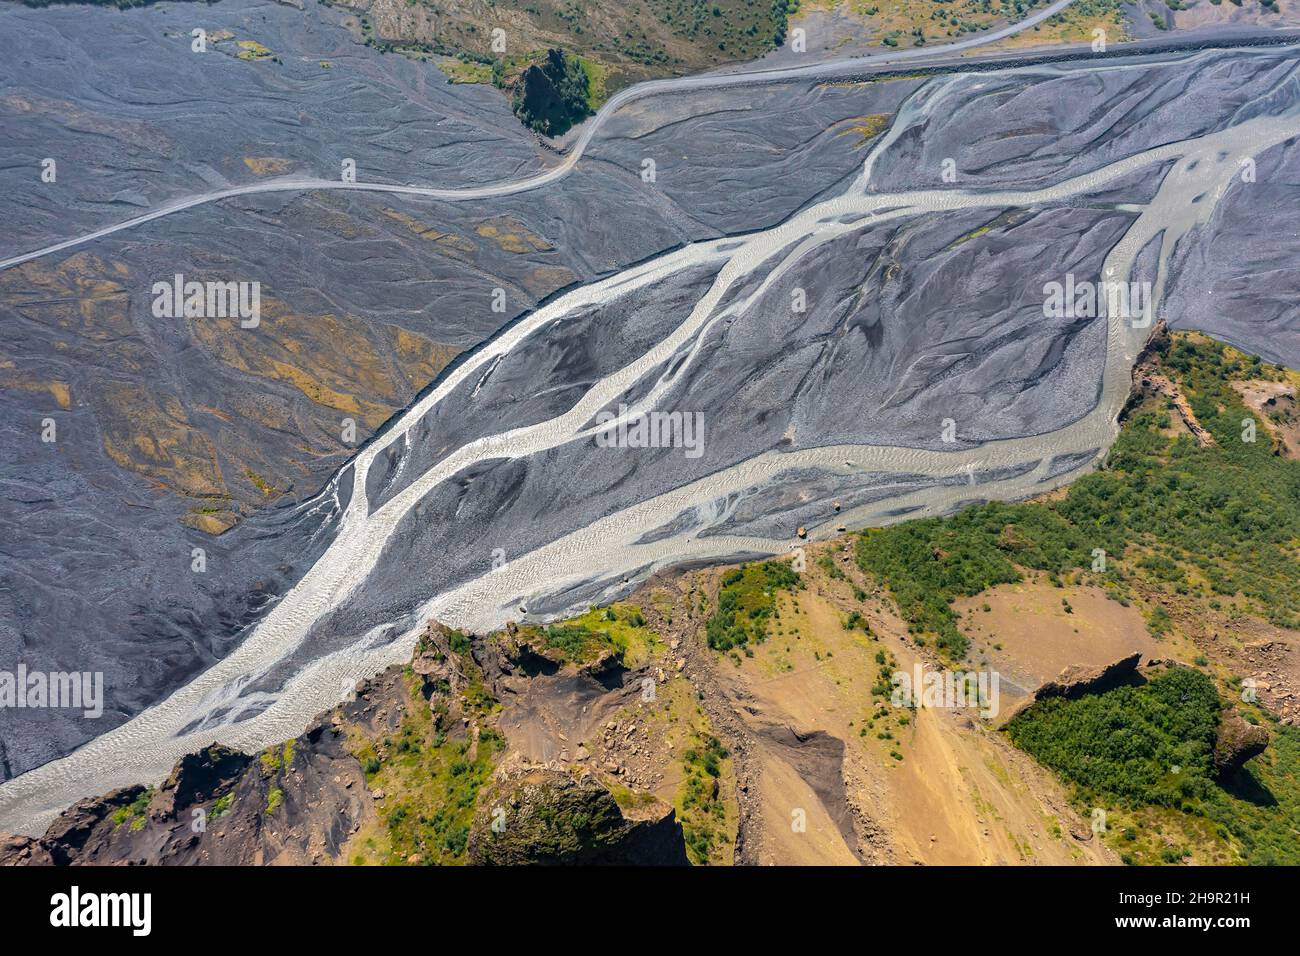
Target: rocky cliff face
<point>556,819</point>
<point>1236,742</point>
<point>218,807</point>
<point>316,799</point>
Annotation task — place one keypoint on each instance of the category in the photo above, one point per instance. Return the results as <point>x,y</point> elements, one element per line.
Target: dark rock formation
<point>1235,742</point>
<point>296,803</point>
<point>551,97</point>
<point>301,801</point>
<point>1076,681</point>
<point>549,818</point>
<point>196,779</point>
<point>23,851</point>
<point>68,836</point>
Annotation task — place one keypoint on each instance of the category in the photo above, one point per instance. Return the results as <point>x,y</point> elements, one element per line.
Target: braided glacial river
<point>622,544</point>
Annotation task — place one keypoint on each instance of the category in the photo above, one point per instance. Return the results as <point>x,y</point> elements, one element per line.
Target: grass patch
<point>221,806</point>
<point>252,50</point>
<point>466,71</point>
<point>261,484</point>
<point>620,628</point>
<point>1230,512</point>
<point>597,82</point>
<point>700,807</point>
<point>431,780</point>
<point>867,127</point>
<point>275,758</point>
<point>132,815</point>
<point>747,602</point>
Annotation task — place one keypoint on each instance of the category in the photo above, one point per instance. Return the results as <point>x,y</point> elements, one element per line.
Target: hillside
<point>620,41</point>
<point>750,715</point>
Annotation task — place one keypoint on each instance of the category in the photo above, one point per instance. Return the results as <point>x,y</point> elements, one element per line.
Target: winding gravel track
<point>612,106</point>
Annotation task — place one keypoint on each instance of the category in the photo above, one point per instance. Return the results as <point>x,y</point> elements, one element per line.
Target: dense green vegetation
<point>620,629</point>
<point>1219,520</point>
<point>1146,752</point>
<point>550,97</point>
<point>746,602</point>
<point>577,644</point>
<point>700,806</point>
<point>1151,744</point>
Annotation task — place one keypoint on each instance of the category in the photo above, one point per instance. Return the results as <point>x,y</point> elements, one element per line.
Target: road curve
<point>615,103</point>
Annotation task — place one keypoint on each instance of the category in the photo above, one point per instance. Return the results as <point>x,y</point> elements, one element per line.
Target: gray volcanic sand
<point>909,321</point>
<point>1004,131</point>
<point>880,301</point>
<point>1240,279</point>
<point>135,118</point>
<point>930,318</point>
<point>97,563</point>
<point>530,385</point>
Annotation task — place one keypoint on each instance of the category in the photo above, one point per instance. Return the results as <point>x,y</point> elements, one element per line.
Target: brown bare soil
<point>960,794</point>
<point>1275,403</point>
<point>1028,635</point>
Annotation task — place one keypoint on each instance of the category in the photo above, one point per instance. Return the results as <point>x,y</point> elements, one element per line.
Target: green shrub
<point>746,602</point>
<point>1230,510</point>
<point>1151,744</point>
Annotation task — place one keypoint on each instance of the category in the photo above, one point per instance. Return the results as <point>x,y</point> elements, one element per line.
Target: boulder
<point>18,850</point>
<point>1235,742</point>
<point>197,778</point>
<point>553,819</point>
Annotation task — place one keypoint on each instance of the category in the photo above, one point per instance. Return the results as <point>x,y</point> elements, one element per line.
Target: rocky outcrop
<point>300,802</point>
<point>75,829</point>
<point>545,817</point>
<point>296,803</point>
<point>550,97</point>
<point>23,851</point>
<point>198,778</point>
<point>1077,680</point>
<point>1235,742</point>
